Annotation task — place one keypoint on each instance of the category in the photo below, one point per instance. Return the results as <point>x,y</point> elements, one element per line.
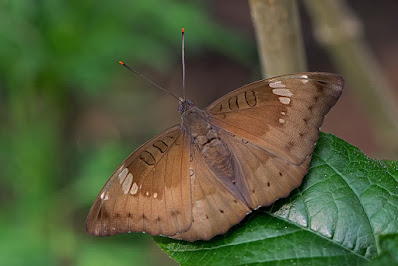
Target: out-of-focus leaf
<point>72,45</point>
<point>95,169</point>
<point>388,251</point>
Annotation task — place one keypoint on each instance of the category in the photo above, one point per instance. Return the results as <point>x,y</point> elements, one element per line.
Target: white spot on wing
<point>134,189</point>
<point>277,84</point>
<point>282,92</point>
<point>127,183</point>
<point>102,195</point>
<point>155,195</point>
<point>305,79</point>
<point>284,100</point>
<point>123,174</point>
<point>283,113</point>
<point>281,120</point>
<point>147,193</point>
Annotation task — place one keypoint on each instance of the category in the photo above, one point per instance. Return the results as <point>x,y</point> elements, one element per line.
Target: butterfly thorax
<point>206,138</point>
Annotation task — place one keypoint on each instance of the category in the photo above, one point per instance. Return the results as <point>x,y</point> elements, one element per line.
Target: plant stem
<point>278,33</point>
<point>339,30</point>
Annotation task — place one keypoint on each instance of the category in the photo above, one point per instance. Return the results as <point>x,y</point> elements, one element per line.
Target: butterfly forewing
<point>150,192</point>
<point>281,115</point>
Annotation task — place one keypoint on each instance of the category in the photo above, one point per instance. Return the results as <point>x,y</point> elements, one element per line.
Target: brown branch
<point>278,33</point>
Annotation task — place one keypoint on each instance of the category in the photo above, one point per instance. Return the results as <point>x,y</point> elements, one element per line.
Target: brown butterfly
<point>197,179</point>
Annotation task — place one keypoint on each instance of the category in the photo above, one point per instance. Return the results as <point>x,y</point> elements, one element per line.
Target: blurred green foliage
<point>57,57</point>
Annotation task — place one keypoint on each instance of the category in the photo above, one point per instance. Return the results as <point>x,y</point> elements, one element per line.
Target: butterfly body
<point>197,179</point>
<point>206,138</point>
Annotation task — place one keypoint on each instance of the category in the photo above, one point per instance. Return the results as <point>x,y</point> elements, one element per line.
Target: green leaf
<point>389,250</point>
<point>334,218</point>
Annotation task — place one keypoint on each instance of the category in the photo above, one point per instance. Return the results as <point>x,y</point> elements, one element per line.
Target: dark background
<point>69,113</point>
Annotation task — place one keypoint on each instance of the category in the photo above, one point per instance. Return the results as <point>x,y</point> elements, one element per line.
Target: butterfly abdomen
<point>219,158</point>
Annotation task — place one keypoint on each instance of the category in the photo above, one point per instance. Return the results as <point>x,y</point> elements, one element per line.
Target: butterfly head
<point>184,106</point>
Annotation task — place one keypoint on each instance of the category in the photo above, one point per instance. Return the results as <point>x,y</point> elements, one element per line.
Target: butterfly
<point>197,179</point>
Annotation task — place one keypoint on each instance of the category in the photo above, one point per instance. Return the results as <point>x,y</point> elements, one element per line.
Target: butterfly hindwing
<point>261,177</point>
<point>215,206</point>
<point>150,192</point>
<point>281,115</point>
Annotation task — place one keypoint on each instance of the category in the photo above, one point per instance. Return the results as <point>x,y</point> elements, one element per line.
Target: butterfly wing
<point>281,115</point>
<point>261,177</point>
<point>215,206</point>
<point>150,192</point>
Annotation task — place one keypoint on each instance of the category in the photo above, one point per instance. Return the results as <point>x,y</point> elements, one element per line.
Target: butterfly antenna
<point>150,81</point>
<point>183,65</point>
